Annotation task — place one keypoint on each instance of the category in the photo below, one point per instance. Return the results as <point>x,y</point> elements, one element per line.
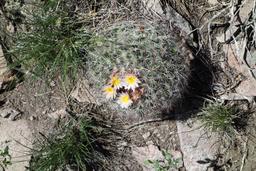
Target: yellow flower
<point>131,81</point>
<point>109,92</point>
<point>124,100</point>
<point>115,82</point>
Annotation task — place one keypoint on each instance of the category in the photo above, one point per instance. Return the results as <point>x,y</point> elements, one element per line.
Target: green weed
<point>5,158</point>
<point>168,163</point>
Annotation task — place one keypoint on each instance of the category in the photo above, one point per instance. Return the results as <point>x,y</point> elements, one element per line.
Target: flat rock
<point>3,63</point>
<point>234,58</point>
<point>195,146</point>
<point>153,153</point>
<point>213,2</point>
<point>247,87</point>
<point>150,152</point>
<point>153,5</point>
<point>14,132</point>
<point>3,66</point>
<point>59,114</point>
<point>10,113</point>
<point>245,10</point>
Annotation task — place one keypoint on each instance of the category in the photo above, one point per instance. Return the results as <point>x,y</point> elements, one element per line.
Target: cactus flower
<point>109,92</point>
<point>131,82</point>
<point>115,81</point>
<point>124,100</point>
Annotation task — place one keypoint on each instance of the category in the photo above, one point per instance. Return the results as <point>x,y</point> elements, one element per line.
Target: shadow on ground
<point>198,87</point>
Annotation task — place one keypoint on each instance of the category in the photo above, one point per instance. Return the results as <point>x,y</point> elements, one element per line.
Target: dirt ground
<point>37,101</point>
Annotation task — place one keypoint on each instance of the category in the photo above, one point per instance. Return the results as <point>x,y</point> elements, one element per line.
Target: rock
<point>5,113</point>
<point>3,62</point>
<point>235,59</point>
<point>221,38</point>
<point>247,87</point>
<point>195,146</point>
<point>213,2</point>
<point>176,19</point>
<point>153,5</point>
<point>52,83</point>
<point>245,9</point>
<point>177,155</point>
<point>44,112</point>
<point>32,118</point>
<point>123,144</point>
<point>251,59</point>
<point>10,113</point>
<point>6,76</point>
<point>14,116</point>
<point>19,137</point>
<point>146,135</point>
<point>150,152</point>
<point>59,114</point>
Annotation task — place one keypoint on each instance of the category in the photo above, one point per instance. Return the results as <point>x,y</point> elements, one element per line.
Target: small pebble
<point>52,83</point>
<point>6,113</point>
<point>14,116</point>
<point>10,113</point>
<point>32,118</point>
<point>59,114</point>
<point>146,135</point>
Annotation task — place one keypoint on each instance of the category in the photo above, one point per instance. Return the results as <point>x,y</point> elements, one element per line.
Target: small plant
<point>219,117</point>
<point>80,146</point>
<point>5,158</point>
<point>168,163</point>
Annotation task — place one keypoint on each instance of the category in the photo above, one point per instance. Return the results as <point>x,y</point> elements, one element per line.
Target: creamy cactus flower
<point>109,92</point>
<point>115,81</point>
<point>131,81</point>
<point>124,100</point>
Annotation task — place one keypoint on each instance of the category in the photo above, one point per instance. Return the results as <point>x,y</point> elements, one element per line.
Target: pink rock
<point>247,87</point>
<point>59,114</point>
<point>150,152</point>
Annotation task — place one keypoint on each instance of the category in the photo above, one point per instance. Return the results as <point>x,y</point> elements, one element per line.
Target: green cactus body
<point>146,50</point>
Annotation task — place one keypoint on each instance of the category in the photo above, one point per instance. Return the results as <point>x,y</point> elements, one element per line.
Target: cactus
<point>144,49</point>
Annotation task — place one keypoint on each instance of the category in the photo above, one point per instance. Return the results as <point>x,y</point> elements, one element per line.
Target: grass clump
<point>51,44</point>
<point>221,118</point>
<point>80,146</point>
<point>146,51</point>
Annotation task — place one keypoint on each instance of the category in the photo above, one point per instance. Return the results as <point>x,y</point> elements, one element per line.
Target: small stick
<point>147,122</point>
<point>245,155</point>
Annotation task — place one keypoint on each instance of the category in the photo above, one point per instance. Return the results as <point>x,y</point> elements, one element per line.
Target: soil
<point>37,100</point>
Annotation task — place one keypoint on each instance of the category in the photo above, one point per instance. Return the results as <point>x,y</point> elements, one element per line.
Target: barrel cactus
<point>137,66</point>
